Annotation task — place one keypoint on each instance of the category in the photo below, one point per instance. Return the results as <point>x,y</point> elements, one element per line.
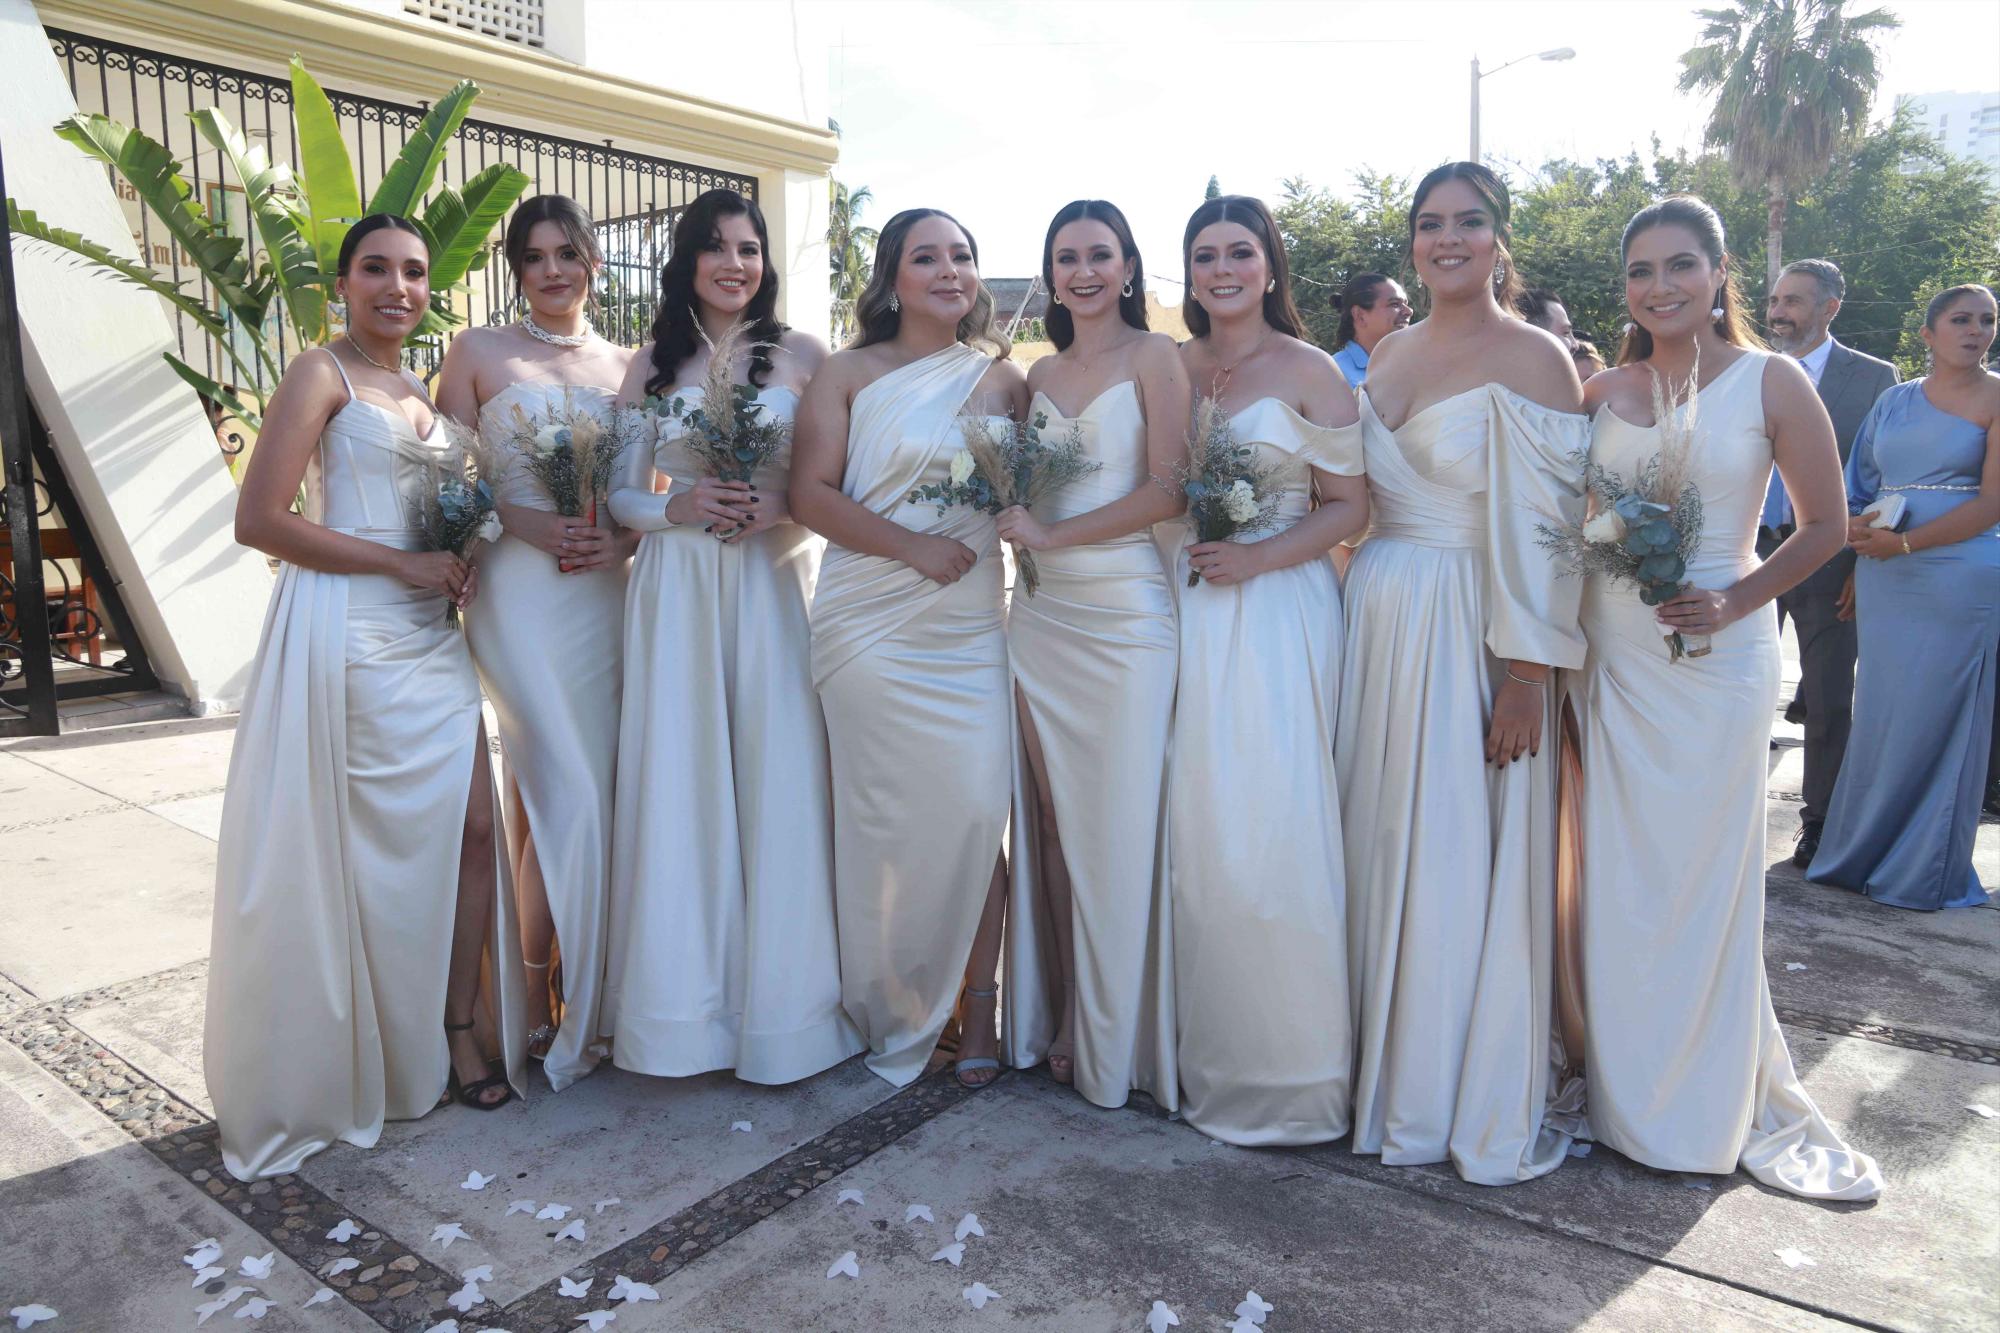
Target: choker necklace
<point>363,353</point>
<point>540,334</point>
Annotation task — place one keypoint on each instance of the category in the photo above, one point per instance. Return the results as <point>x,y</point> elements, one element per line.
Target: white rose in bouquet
<point>490,530</point>
<point>961,467</point>
<point>551,437</point>
<point>1240,502</point>
<point>1607,529</point>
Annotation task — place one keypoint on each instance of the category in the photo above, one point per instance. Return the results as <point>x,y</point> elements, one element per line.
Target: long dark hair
<point>676,334</point>
<point>1131,307</point>
<point>875,322</point>
<point>1279,312</point>
<point>1686,210</point>
<point>1362,291</point>
<point>1492,192</point>
<point>374,222</point>
<point>568,215</point>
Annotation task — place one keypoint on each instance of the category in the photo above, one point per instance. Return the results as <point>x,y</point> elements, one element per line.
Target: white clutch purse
<point>1889,511</point>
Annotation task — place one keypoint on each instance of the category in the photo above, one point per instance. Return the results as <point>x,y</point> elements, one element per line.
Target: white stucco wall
<point>131,436</point>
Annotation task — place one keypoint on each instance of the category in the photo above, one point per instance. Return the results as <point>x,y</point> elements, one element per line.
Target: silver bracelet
<point>1538,684</point>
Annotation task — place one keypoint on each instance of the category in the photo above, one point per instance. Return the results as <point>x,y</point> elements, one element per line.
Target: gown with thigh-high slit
<point>1095,652</point>
<point>1687,1067</point>
<point>548,648</point>
<point>337,866</point>
<point>1259,898</point>
<point>913,679</point>
<point>1451,871</point>
<point>724,953</point>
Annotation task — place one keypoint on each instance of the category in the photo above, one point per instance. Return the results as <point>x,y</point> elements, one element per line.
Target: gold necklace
<point>1222,380</point>
<point>362,352</point>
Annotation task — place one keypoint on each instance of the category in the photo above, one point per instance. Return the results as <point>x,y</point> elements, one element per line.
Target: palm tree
<point>1791,79</point>
<point>851,250</point>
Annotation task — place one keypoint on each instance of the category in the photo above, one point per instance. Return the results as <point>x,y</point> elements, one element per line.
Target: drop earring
<point>1127,289</point>
<point>895,305</point>
<point>1715,311</point>
<point>1271,285</point>
<point>1056,297</point>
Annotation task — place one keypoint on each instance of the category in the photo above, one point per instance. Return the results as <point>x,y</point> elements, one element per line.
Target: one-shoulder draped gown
<point>336,880</point>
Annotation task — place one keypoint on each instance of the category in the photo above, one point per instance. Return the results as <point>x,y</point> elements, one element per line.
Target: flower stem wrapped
<point>1229,493</point>
<point>455,509</point>
<point>1014,466</point>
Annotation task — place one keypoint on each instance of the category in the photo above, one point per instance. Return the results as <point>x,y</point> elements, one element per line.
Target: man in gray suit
<point>1801,310</point>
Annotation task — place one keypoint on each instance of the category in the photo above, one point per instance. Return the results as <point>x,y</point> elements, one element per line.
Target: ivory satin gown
<point>1259,899</point>
<point>336,878</point>
<point>1095,654</point>
<point>724,953</point>
<point>1687,1067</point>
<point>913,679</point>
<point>1451,862</point>
<point>548,648</point>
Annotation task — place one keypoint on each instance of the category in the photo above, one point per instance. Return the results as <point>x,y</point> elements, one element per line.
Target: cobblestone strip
<point>394,1287</point>
<point>1971,1052</point>
<point>662,1250</point>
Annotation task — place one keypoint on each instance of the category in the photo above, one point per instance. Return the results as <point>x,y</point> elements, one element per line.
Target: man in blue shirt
<point>1371,306</point>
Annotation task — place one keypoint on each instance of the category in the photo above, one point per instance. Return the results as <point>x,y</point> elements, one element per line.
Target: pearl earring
<point>1271,285</point>
<point>895,305</point>
<point>1715,313</point>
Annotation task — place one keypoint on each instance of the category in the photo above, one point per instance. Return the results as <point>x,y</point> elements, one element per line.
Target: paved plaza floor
<point>109,1172</point>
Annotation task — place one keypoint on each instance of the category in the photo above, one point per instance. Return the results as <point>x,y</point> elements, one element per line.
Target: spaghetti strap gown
<point>1259,897</point>
<point>1687,1067</point>
<point>724,953</point>
<point>1095,654</point>
<point>912,676</point>
<point>336,878</point>
<point>1451,862</point>
<point>1901,825</point>
<point>548,648</point>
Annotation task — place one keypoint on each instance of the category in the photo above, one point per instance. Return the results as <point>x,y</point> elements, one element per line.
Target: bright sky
<point>1001,112</point>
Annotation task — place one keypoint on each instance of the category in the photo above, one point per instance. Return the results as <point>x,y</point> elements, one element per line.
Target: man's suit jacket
<point>1848,388</point>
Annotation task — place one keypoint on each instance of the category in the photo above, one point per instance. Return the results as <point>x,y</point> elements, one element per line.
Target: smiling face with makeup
<point>1229,271</point>
<point>1455,241</point>
<point>1089,269</point>
<point>386,285</point>
<point>937,275</point>
<point>555,275</point>
<point>1671,283</point>
<point>730,269</point>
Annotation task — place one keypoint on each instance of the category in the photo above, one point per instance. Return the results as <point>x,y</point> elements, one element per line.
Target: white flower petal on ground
<point>602,1204</point>
<point>203,1254</point>
<point>253,1308</point>
<point>917,1210</point>
<point>597,1319</point>
<point>739,1127</point>
<point>953,1254</point>
<point>347,1229</point>
<point>474,1181</point>
<point>483,1273</point>
<point>1241,1324</point>
<point>978,1294</point>
<point>218,1305</point>
<point>25,1315</point>
<point>448,1232</point>
<point>849,1196</point>
<point>444,1326</point>
<point>1795,967</point>
<point>520,1206</point>
<point>552,1212</point>
<point>344,1264</point>
<point>574,1231</point>
<point>967,1226</point>
<point>1792,1257</point>
<point>258,1266</point>
<point>625,1289</point>
<point>212,1271</point>
<point>1579,1149</point>
<point>320,1297</point>
<point>465,1298</point>
<point>846,1265</point>
<point>1159,1319</point>
<point>1253,1308</point>
<point>573,1289</point>
<point>1982,1110</point>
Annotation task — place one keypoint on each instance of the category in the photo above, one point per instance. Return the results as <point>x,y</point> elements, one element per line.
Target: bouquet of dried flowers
<point>1229,493</point>
<point>455,509</point>
<point>1006,463</point>
<point>573,451</point>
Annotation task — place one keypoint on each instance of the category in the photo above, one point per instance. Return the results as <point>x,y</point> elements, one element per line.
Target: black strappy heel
<point>468,1094</point>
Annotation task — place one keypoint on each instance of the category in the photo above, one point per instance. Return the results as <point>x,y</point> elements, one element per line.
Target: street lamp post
<point>1559,53</point>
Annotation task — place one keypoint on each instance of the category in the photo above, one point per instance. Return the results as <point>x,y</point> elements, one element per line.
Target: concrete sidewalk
<point>109,1172</point>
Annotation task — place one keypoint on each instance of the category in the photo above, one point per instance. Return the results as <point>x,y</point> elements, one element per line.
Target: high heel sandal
<point>977,1063</point>
<point>541,1038</point>
<point>1064,1049</point>
<point>469,1094</point>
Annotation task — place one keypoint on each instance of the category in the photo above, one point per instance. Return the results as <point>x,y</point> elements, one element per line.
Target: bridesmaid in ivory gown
<point>1688,1068</point>
<point>1259,897</point>
<point>724,954</point>
<point>909,652</point>
<point>545,633</point>
<point>1094,652</point>
<point>359,884</point>
<point>1447,789</point>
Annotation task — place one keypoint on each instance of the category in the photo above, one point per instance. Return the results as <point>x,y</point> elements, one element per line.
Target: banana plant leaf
<point>154,174</point>
<point>219,394</point>
<point>410,176</point>
<point>461,223</point>
<point>333,200</point>
<point>272,200</point>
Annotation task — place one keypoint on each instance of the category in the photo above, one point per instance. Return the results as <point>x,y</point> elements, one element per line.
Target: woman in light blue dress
<point>1927,599</point>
